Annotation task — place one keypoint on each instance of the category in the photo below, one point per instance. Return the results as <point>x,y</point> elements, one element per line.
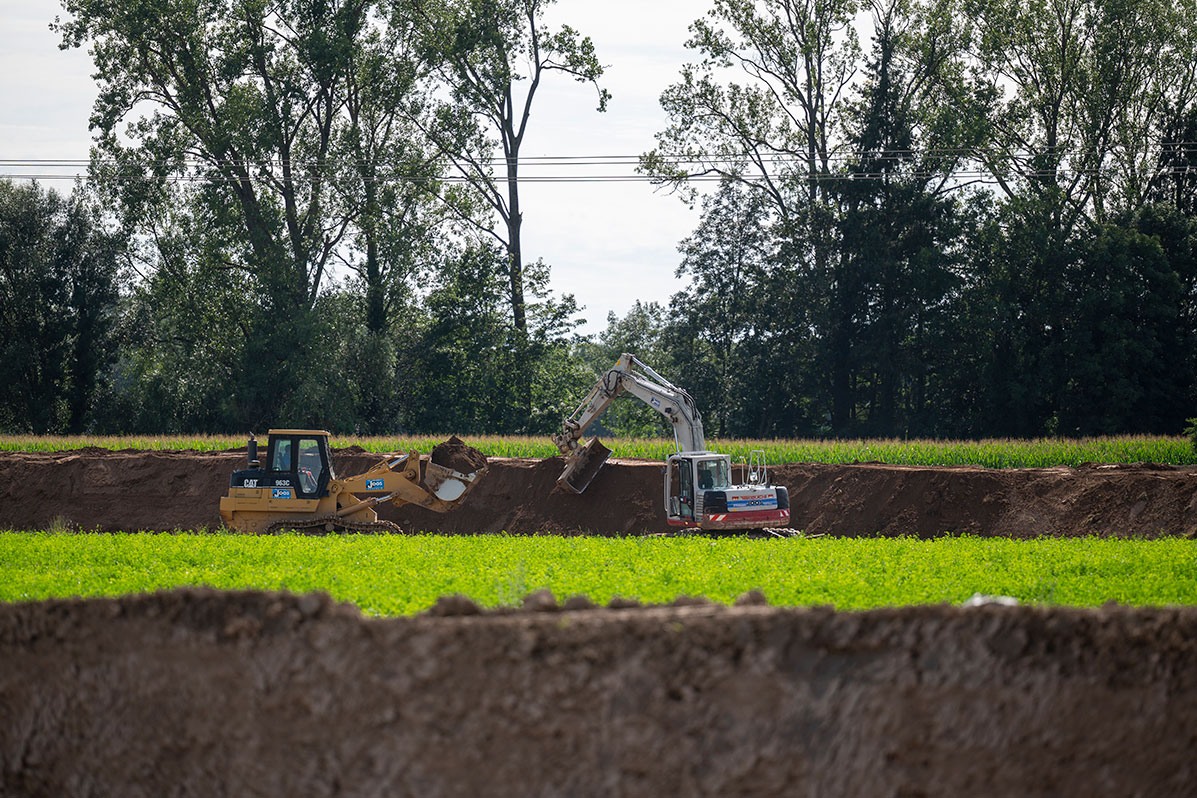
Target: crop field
<point>401,575</point>
<point>1041,453</point>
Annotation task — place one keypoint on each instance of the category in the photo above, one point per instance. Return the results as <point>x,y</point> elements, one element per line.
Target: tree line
<point>981,220</point>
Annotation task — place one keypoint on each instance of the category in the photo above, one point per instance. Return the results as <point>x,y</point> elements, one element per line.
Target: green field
<point>989,453</point>
<point>400,575</point>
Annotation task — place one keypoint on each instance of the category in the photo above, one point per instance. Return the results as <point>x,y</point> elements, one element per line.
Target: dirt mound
<point>520,496</point>
<point>459,456</point>
<point>204,693</point>
<point>161,490</point>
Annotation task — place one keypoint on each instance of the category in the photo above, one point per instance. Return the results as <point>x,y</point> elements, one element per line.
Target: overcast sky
<point>608,243</point>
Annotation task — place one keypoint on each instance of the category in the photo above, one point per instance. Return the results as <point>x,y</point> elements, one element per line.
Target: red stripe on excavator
<point>741,520</point>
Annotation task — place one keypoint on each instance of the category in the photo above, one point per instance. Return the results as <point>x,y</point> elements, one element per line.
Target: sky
<point>609,244</point>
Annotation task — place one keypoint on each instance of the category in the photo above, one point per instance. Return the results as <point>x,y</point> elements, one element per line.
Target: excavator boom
<point>628,375</point>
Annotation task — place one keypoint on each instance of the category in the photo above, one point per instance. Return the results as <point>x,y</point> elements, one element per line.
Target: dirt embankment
<point>196,693</point>
<point>132,490</point>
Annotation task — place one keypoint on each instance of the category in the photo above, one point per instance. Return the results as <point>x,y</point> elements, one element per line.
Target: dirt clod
<point>456,604</point>
<point>575,603</point>
<point>459,456</point>
<point>753,598</point>
<point>540,601</point>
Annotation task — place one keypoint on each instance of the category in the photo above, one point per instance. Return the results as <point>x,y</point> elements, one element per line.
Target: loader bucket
<point>582,464</point>
<point>448,485</point>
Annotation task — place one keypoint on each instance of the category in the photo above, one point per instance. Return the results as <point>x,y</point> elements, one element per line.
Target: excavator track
<point>339,526</point>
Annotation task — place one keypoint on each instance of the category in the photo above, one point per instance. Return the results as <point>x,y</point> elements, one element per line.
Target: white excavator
<point>699,492</point>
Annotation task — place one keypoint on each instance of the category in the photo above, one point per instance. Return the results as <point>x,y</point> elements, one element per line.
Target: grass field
<point>989,453</point>
<point>400,575</point>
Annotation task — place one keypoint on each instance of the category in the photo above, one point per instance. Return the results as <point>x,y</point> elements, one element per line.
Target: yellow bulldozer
<point>299,490</point>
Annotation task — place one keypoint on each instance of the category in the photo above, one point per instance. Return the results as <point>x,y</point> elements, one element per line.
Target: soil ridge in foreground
<point>99,489</point>
<point>197,692</point>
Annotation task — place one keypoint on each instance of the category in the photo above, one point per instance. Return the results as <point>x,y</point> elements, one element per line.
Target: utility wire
<point>697,167</point>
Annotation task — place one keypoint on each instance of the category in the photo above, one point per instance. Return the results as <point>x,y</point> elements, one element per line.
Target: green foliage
<point>58,301</point>
<point>917,306</point>
<point>844,279</point>
<point>743,331</point>
<point>469,366</point>
<point>639,333</point>
<point>401,575</point>
<point>490,57</point>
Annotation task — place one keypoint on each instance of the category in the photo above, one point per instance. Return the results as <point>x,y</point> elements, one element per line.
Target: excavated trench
<point>198,693</point>
<point>98,489</point>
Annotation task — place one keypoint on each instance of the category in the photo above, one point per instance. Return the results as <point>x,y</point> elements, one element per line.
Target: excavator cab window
<point>713,474</point>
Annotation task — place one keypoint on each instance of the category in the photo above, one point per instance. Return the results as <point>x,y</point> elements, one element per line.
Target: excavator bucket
<point>448,485</point>
<point>582,464</point>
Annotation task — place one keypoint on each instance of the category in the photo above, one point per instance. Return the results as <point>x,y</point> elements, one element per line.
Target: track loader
<point>699,492</point>
<point>299,489</point>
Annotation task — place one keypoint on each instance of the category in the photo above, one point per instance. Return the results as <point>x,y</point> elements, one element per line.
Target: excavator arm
<point>631,376</point>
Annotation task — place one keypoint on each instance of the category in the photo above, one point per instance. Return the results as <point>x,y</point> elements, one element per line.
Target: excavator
<point>699,492</point>
<point>299,489</point>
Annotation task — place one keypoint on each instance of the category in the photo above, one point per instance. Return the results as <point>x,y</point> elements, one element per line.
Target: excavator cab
<point>699,492</point>
<point>691,475</point>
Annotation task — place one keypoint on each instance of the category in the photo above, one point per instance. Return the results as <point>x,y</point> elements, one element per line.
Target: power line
<point>702,167</point>
<point>1170,147</point>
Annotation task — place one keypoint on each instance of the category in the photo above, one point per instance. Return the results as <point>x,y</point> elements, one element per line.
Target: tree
<point>846,153</point>
<point>491,56</point>
<point>1125,361</point>
<point>460,370</point>
<point>245,99</point>
<point>1074,95</point>
<point>744,346</point>
<point>58,296</point>
<point>640,333</point>
<point>389,180</point>
<point>185,329</point>
<point>896,218</point>
<point>1076,101</point>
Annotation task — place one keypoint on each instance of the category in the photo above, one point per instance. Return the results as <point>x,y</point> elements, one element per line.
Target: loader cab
<point>298,465</point>
<point>303,457</point>
<point>690,476</point>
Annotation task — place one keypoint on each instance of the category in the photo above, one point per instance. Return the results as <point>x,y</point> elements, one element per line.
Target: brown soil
<point>197,693</point>
<point>133,490</point>
<point>459,456</point>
